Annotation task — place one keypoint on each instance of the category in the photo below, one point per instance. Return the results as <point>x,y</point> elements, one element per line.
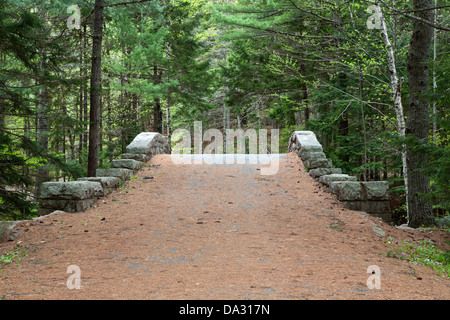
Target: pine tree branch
<point>313,13</point>
<point>420,10</point>
<point>125,3</point>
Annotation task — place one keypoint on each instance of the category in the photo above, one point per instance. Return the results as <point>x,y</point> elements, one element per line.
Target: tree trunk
<point>168,128</point>
<point>83,117</point>
<point>434,75</point>
<point>95,92</point>
<point>42,173</point>
<point>305,94</point>
<point>157,111</point>
<point>420,211</point>
<point>157,116</point>
<point>85,91</point>
<point>363,119</point>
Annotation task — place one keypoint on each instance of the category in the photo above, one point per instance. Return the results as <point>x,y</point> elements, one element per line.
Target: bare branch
<point>424,21</point>
<point>369,104</point>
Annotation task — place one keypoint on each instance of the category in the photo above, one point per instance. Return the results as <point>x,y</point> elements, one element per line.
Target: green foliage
<point>439,167</point>
<point>24,36</point>
<point>424,253</point>
<point>16,44</point>
<point>285,135</point>
<point>13,256</point>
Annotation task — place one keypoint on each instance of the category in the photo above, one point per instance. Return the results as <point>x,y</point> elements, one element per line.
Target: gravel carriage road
<point>216,232</point>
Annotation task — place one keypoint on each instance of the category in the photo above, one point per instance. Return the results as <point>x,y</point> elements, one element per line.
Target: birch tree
<point>396,88</point>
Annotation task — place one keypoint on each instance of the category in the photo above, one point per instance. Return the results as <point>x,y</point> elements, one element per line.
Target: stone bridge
<point>216,230</point>
<point>78,196</point>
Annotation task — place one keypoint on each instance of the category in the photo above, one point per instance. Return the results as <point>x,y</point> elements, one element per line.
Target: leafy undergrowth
<point>12,256</point>
<point>424,253</point>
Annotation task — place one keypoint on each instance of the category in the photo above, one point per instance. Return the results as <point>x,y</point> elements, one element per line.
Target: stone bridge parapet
<point>75,196</point>
<point>368,196</point>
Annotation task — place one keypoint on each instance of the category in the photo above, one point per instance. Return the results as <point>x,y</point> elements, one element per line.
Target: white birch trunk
<point>396,86</point>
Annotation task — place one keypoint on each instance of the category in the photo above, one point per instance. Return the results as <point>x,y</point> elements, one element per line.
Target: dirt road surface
<point>216,232</point>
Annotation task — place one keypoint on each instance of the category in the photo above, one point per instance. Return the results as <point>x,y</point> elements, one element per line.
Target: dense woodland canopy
<point>375,91</point>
